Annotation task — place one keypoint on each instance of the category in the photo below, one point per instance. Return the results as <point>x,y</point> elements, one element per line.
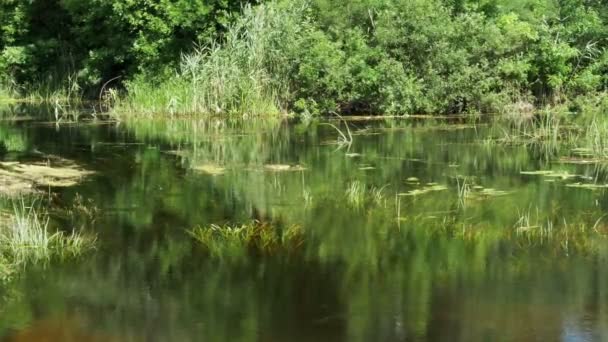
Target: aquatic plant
<point>255,236</point>
<point>464,190</point>
<point>26,237</point>
<point>22,178</point>
<point>355,193</point>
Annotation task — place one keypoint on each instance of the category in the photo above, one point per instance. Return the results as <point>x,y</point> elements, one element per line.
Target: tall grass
<point>246,73</point>
<point>66,90</point>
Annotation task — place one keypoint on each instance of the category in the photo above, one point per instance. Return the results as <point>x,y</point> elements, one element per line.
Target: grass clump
<point>358,194</point>
<point>255,236</point>
<point>26,238</point>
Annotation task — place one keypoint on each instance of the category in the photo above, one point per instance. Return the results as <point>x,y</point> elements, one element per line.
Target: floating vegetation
<point>489,192</point>
<point>564,175</point>
<point>588,186</point>
<point>13,187</point>
<point>583,152</point>
<point>580,161</point>
<point>537,173</point>
<point>210,169</point>
<point>19,178</point>
<point>255,236</point>
<point>430,187</point>
<point>283,168</point>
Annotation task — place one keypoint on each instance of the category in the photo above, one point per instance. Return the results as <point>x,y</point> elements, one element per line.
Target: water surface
<point>392,252</point>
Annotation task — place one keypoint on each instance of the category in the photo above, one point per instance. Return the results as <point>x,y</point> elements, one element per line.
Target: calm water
<point>375,265</point>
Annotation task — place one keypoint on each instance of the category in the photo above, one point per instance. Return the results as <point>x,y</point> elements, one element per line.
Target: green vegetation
<point>262,237</point>
<point>406,227</point>
<point>74,47</point>
<point>26,238</point>
<point>410,221</point>
<point>310,56</point>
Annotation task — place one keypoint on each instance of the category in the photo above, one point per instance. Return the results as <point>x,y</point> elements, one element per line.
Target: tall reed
<point>244,73</point>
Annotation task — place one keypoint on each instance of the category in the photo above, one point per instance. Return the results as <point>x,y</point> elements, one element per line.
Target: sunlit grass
<point>26,238</point>
<point>235,77</point>
<point>256,236</point>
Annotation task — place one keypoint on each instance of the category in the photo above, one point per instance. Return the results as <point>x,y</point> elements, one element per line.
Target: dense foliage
<point>316,56</point>
<point>46,42</point>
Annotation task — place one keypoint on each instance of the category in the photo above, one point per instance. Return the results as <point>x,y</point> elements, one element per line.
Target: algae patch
<point>283,168</point>
<point>588,186</point>
<point>18,178</point>
<point>210,169</point>
<point>431,187</point>
<point>564,175</point>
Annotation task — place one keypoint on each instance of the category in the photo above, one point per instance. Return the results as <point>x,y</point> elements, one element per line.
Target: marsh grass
<point>596,138</point>
<point>554,133</point>
<point>578,237</point>
<point>26,238</point>
<point>355,194</point>
<point>545,132</point>
<point>530,232</point>
<point>66,91</point>
<point>464,190</point>
<point>358,194</point>
<point>245,74</point>
<point>259,237</point>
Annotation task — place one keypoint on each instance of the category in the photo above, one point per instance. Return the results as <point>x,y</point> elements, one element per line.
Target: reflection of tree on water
<point>360,275</point>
